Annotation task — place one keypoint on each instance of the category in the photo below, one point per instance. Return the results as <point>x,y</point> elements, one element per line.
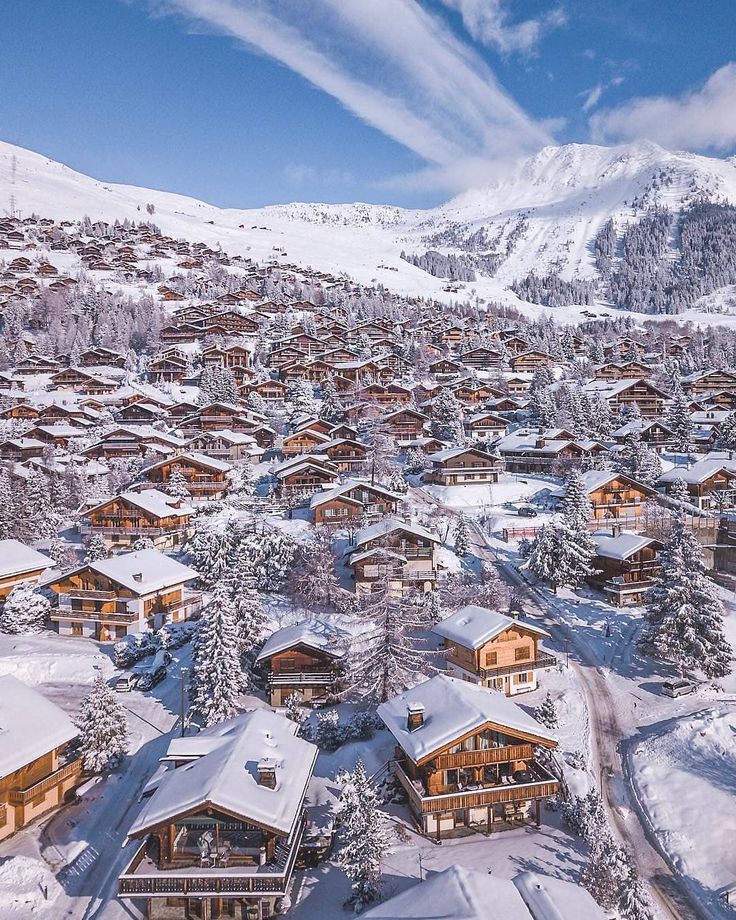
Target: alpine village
<point>317,599</point>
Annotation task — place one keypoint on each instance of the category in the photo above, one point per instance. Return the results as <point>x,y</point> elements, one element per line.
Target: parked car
<point>155,672</point>
<point>675,688</point>
<point>526,511</point>
<point>132,648</point>
<point>124,683</point>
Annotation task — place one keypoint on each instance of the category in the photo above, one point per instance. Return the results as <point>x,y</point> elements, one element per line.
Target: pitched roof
<point>620,546</point>
<point>452,709</point>
<point>144,571</point>
<point>315,634</point>
<point>473,626</point>
<point>30,725</point>
<point>389,525</point>
<point>16,559</point>
<point>153,501</point>
<point>226,775</point>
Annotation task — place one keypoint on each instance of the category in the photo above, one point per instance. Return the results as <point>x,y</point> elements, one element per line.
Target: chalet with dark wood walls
<point>626,565</point>
<point>20,564</point>
<point>206,477</point>
<point>128,516</point>
<point>220,835</point>
<point>459,466</point>
<point>401,555</point>
<point>352,501</point>
<point>305,659</point>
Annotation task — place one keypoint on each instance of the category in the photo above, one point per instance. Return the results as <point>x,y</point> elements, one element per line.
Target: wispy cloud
<point>594,94</point>
<point>391,63</point>
<point>700,119</point>
<point>488,21</point>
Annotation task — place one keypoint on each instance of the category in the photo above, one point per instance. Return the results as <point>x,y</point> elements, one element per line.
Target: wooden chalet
<point>457,466</point>
<point>351,501</point>
<point>39,769</point>
<point>466,758</point>
<point>128,593</point>
<point>530,451</point>
<point>128,516</point>
<point>347,454</point>
<point>625,565</point>
<point>711,482</point>
<point>220,834</point>
<point>392,552</point>
<point>619,394</point>
<point>481,358</point>
<point>404,425</point>
<point>485,426</point>
<point>622,370</point>
<point>493,650</point>
<point>20,564</point>
<point>304,475</point>
<point>709,381</point>
<point>613,496</point>
<point>529,360</point>
<point>206,477</point>
<point>305,659</point>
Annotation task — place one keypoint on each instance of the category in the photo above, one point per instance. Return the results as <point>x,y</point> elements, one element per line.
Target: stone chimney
<point>267,772</point>
<point>615,530</point>
<point>539,443</point>
<point>414,716</point>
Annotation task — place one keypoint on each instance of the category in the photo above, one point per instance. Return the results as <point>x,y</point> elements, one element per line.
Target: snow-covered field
<point>685,779</point>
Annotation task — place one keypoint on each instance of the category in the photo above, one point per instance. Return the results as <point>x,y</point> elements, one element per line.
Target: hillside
<point>541,217</point>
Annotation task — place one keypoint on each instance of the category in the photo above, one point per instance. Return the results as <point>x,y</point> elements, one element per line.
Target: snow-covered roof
<point>16,559</point>
<point>440,456</point>
<point>144,571</point>
<point>390,525</point>
<point>459,893</point>
<point>315,634</point>
<point>152,501</point>
<point>30,725</point>
<point>473,626</point>
<point>452,709</point>
<point>549,898</point>
<point>596,479</point>
<point>227,775</point>
<point>699,471</point>
<point>201,459</point>
<point>320,498</point>
<point>620,546</point>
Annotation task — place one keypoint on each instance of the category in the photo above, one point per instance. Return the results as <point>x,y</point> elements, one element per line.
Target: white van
<point>675,688</point>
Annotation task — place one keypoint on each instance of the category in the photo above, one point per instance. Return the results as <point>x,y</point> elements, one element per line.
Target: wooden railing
<point>504,754</point>
<point>533,664</point>
<point>473,798</point>
<point>22,796</point>
<point>3,815</point>
<point>133,883</point>
<point>69,613</point>
<point>304,678</point>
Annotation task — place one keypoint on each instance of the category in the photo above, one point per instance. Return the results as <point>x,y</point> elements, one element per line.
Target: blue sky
<point>251,102</point>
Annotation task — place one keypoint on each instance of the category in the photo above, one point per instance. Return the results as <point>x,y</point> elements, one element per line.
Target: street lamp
<point>182,703</point>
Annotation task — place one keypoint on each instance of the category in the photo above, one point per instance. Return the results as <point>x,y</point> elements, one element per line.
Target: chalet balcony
<point>91,594</point>
<point>67,612</point>
<point>302,679</point>
<point>132,530</point>
<point>143,879</point>
<point>541,787</point>
<point>520,667</point>
<point>481,758</point>
<point>23,796</point>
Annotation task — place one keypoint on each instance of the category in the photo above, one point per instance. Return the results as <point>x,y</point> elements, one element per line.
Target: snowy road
<point>610,711</point>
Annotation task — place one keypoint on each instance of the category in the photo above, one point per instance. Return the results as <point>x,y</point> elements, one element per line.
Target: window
<point>491,659</point>
<point>77,629</point>
<point>451,777</point>
<point>522,678</point>
<point>523,653</point>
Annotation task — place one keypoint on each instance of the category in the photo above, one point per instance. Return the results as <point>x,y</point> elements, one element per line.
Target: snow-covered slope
<point>541,215</point>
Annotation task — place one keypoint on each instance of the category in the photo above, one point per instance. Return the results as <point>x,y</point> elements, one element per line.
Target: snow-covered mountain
<point>542,215</point>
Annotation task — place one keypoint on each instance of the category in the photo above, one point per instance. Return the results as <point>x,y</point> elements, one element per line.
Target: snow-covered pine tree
<point>96,549</point>
<point>727,433</point>
<point>447,418</point>
<point>546,713</point>
<point>209,549</point>
<point>250,616</point>
<point>142,543</point>
<point>634,902</point>
<point>679,420</point>
<point>217,678</point>
<point>365,833</point>
<point>388,656</point>
<point>397,483</point>
<point>461,537</point>
<point>295,711</point>
<point>684,613</point>
<point>639,461</point>
<point>26,611</point>
<point>8,522</point>
<point>607,868</point>
<point>331,409</point>
<point>177,486</point>
<point>40,517</point>
<point>559,556</point>
<point>301,401</point>
<point>576,507</point>
<point>103,730</point>
<point>415,462</point>
<point>271,556</point>
<point>329,734</point>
